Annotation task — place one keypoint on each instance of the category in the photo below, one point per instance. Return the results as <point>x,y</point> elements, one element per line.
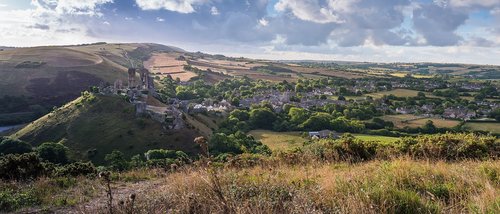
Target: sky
<point>450,31</point>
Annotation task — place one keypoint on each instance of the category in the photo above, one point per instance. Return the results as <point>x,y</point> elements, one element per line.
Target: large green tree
<point>262,118</point>
<point>53,152</point>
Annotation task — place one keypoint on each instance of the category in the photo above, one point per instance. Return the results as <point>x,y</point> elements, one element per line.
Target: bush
<point>76,169</point>
<point>13,146</point>
<point>53,152</point>
<point>156,154</point>
<point>10,200</point>
<point>21,167</point>
<point>451,146</point>
<point>117,161</point>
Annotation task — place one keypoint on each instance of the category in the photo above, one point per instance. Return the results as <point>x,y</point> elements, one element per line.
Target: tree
<point>241,115</point>
<point>116,160</point>
<point>495,114</point>
<point>262,118</point>
<point>429,127</point>
<point>53,152</point>
<point>13,146</point>
<point>342,98</point>
<point>297,115</point>
<point>318,121</point>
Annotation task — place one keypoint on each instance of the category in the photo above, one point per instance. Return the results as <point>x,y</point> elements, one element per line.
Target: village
<point>347,94</point>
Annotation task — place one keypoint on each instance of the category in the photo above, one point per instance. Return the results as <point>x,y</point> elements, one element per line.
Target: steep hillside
<point>42,77</point>
<point>93,126</point>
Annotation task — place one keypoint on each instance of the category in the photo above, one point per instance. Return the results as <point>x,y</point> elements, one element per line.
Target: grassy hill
<point>93,126</point>
<point>42,77</point>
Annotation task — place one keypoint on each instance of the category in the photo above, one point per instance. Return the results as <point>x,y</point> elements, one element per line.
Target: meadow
<point>279,140</point>
<point>282,141</point>
<point>413,121</point>
<point>483,126</point>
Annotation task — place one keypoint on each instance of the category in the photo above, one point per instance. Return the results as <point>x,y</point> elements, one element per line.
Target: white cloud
<point>214,11</point>
<point>73,7</point>
<point>106,23</point>
<point>49,22</point>
<point>158,19</point>
<point>471,3</point>
<point>263,22</point>
<point>309,10</point>
<point>181,6</point>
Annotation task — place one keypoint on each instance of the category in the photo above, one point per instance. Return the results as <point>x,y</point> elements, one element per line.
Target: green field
<point>382,139</point>
<point>281,141</point>
<point>278,140</point>
<point>410,120</point>
<point>398,93</point>
<point>480,126</point>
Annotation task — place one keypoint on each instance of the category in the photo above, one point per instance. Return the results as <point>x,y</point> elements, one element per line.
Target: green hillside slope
<point>93,126</point>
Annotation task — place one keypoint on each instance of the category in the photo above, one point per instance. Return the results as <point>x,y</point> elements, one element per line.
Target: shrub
<point>53,152</point>
<point>156,154</point>
<point>76,169</point>
<point>117,161</point>
<point>10,200</point>
<point>13,146</point>
<point>451,146</point>
<point>21,167</point>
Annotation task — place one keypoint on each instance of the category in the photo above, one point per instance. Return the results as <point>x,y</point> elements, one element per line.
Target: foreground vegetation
<point>444,173</point>
<point>396,186</point>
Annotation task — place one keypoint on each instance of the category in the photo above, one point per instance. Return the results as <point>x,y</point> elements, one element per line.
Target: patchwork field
<point>328,72</point>
<point>163,64</point>
<point>479,126</point>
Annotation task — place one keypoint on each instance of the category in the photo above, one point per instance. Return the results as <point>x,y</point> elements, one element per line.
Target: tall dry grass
<point>397,186</point>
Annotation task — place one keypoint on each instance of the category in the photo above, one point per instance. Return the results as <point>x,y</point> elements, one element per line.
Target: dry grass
<point>398,186</point>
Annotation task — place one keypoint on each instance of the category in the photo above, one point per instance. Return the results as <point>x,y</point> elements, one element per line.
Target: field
<point>481,126</point>
<point>396,92</point>
<point>278,140</point>
<point>282,141</point>
<point>163,64</point>
<point>325,72</point>
<point>402,120</point>
<point>382,139</point>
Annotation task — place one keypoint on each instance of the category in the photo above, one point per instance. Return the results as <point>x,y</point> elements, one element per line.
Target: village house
<point>459,113</point>
<point>324,134</point>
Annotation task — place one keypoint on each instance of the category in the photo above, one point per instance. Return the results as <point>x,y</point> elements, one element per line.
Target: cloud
<point>87,7</point>
<point>438,24</point>
<point>473,3</point>
<point>309,10</point>
<point>263,22</point>
<point>54,21</point>
<point>181,6</point>
<point>158,19</point>
<point>40,26</point>
<point>214,11</point>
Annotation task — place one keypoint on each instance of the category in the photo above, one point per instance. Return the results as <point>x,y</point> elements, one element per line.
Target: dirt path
<point>120,190</point>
